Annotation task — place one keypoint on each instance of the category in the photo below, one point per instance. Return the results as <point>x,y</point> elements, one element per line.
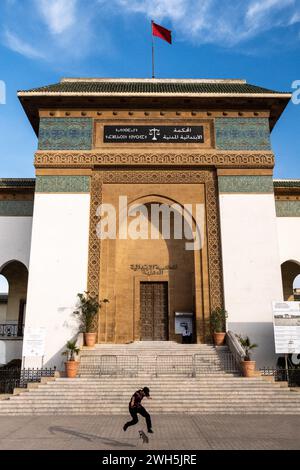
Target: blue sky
<point>44,40</point>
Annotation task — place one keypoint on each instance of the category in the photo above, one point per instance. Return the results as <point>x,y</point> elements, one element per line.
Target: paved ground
<point>177,432</point>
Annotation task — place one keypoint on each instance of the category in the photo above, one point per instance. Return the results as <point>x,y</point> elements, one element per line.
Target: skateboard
<point>144,437</point>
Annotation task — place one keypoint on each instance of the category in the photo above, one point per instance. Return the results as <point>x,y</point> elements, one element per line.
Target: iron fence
<point>183,365</point>
<point>126,365</point>
<point>19,378</point>
<point>11,330</point>
<point>179,365</point>
<point>292,376</point>
<point>224,362</point>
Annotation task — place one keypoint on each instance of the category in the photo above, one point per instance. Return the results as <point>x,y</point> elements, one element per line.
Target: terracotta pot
<point>219,338</point>
<point>248,368</point>
<point>71,369</point>
<point>90,339</point>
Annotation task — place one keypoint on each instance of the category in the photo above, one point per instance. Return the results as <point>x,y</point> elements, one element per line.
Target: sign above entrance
<point>153,134</point>
<point>152,269</point>
<point>287,327</point>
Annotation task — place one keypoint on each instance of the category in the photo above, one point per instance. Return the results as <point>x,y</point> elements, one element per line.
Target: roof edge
<point>154,80</point>
<point>196,95</point>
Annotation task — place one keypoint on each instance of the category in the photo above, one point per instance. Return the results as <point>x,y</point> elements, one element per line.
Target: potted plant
<point>248,366</point>
<point>71,364</point>
<point>87,311</point>
<point>218,325</point>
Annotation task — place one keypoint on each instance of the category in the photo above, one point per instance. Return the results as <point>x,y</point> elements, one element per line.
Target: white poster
<point>183,323</point>
<point>34,342</point>
<point>286,319</point>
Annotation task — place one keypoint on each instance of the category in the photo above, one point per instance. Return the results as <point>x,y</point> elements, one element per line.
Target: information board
<point>34,342</point>
<point>286,320</point>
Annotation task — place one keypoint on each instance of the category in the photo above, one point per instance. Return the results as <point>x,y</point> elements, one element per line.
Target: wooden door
<point>154,311</point>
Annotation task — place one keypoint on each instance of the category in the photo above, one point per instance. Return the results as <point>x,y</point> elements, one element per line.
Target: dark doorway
<point>154,311</point>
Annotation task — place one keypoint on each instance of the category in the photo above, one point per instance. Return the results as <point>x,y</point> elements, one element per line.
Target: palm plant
<point>71,350</point>
<point>87,311</point>
<point>247,345</point>
<point>218,320</point>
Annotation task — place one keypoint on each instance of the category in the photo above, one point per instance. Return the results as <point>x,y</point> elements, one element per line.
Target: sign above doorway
<point>154,134</point>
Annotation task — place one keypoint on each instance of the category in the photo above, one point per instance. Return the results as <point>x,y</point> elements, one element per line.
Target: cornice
<point>87,159</point>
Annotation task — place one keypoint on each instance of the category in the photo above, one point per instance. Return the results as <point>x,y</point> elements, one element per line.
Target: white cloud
<point>223,22</point>
<point>68,30</point>
<point>258,8</point>
<point>17,44</point>
<point>59,15</point>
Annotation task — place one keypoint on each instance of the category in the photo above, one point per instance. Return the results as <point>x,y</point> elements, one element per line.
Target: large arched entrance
<point>151,276</point>
<point>289,270</point>
<point>14,299</point>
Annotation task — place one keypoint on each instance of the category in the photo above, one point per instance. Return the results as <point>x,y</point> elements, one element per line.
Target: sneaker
<point>125,427</point>
<point>150,431</point>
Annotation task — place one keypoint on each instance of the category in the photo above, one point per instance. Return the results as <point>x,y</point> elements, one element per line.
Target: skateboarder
<point>136,407</point>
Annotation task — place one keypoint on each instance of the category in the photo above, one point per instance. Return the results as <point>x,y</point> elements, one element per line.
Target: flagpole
<point>153,74</point>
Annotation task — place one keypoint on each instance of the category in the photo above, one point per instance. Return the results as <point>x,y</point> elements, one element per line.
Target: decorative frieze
<point>66,134</point>
<point>16,208</point>
<point>90,159</point>
<point>245,184</point>
<point>242,134</point>
<point>288,208</point>
<point>62,184</point>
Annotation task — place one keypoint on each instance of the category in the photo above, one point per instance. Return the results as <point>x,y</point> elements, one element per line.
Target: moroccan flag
<point>161,32</point>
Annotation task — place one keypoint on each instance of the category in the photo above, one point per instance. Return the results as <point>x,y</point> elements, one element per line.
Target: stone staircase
<point>150,359</point>
<point>202,386</point>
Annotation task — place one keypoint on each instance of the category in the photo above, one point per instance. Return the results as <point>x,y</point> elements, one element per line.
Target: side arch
<point>289,271</point>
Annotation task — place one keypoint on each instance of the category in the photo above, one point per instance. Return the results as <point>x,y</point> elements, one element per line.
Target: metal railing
<point>224,362</point>
<point>235,349</point>
<point>126,365</point>
<point>183,365</point>
<point>179,365</point>
<point>11,330</point>
<point>19,378</point>
<point>292,376</point>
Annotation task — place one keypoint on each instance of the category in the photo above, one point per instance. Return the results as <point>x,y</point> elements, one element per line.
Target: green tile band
<point>65,134</point>
<point>62,184</point>
<point>288,208</point>
<point>245,184</point>
<point>242,134</point>
<point>16,208</point>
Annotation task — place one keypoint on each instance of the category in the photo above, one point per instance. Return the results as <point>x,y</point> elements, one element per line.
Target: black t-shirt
<point>136,399</point>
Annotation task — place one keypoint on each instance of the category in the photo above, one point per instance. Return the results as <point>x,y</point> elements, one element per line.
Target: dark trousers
<point>134,412</point>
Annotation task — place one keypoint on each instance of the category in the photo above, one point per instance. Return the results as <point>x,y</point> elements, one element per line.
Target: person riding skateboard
<point>136,407</point>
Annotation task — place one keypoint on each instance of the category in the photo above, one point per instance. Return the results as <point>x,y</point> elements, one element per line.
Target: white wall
<point>289,238</point>
<point>58,269</point>
<point>10,349</point>
<point>15,237</point>
<point>251,268</point>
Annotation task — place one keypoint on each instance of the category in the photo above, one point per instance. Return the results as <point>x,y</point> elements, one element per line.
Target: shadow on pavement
<point>88,437</point>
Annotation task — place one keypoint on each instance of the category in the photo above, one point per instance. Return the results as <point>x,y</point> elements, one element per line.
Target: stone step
<point>227,378</point>
<point>165,408</point>
<point>158,389</point>
<point>207,386</point>
<point>79,412</point>
<point>158,395</point>
<point>171,403</point>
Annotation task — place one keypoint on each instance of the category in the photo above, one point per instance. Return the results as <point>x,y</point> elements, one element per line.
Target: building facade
<point>136,148</point>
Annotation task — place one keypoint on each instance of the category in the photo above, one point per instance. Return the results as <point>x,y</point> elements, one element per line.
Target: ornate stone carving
<point>16,208</point>
<point>246,184</point>
<point>91,159</point>
<point>62,184</point>
<point>242,134</point>
<point>66,133</point>
<point>132,176</point>
<point>287,208</point>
